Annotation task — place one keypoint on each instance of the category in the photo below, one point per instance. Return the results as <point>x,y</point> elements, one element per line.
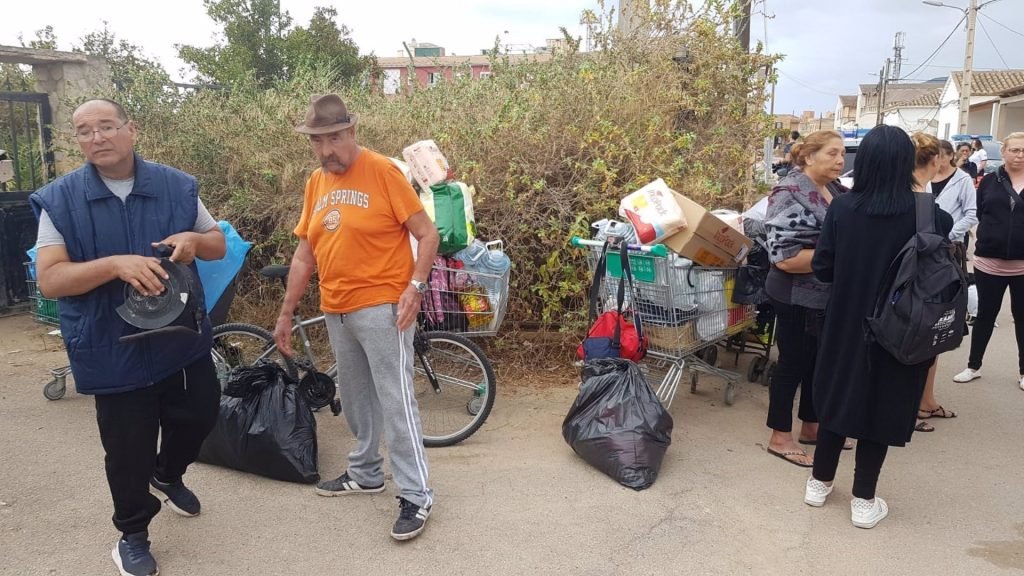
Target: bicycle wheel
<point>237,345</point>
<point>465,387</point>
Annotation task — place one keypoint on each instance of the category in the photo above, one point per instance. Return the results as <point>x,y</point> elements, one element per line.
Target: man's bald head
<point>101,103</point>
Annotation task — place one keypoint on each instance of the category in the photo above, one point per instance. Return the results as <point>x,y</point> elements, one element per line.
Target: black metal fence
<point>26,139</point>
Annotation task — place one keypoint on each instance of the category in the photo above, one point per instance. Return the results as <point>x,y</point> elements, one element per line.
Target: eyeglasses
<point>1015,151</point>
<point>106,132</point>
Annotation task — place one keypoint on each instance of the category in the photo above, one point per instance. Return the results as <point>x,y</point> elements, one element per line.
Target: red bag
<point>610,335</point>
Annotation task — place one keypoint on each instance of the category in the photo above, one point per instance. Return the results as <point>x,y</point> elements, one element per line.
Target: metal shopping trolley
<point>465,300</point>
<point>686,311</point>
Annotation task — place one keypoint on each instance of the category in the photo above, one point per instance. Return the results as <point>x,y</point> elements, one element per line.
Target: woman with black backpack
<point>860,390</point>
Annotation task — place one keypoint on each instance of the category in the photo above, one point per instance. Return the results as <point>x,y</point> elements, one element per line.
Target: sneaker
<point>1022,382</point>
<point>868,513</point>
<point>343,485</point>
<point>411,520</point>
<point>967,375</point>
<point>132,557</point>
<point>816,492</point>
<point>177,496</point>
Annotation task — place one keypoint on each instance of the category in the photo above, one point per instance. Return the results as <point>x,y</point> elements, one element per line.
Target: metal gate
<point>27,159</point>
<point>26,140</point>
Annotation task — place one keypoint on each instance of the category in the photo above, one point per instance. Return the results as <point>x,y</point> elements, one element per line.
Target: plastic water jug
<point>495,263</point>
<point>472,254</point>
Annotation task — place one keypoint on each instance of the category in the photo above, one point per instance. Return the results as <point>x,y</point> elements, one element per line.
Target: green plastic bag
<point>450,206</point>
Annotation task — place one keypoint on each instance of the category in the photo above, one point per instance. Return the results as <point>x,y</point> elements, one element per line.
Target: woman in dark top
<point>861,391</point>
<point>963,162</point>
<point>796,209</point>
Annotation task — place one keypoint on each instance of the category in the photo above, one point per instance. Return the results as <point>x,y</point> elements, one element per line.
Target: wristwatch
<point>420,287</point>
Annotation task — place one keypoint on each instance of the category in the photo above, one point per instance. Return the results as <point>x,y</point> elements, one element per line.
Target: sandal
<point>786,456</point>
<point>923,426</point>
<point>848,445</point>
<point>939,412</point>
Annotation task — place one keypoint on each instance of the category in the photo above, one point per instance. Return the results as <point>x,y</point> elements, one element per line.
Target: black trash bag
<point>617,424</point>
<point>264,427</point>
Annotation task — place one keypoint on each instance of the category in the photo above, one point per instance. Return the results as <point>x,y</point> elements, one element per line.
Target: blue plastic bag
<point>216,275</point>
<point>31,252</point>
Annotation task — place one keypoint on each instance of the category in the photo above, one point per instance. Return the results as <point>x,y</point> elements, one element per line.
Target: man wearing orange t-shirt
<point>354,231</point>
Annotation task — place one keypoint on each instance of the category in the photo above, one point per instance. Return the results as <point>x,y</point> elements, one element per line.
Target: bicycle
<point>453,382</point>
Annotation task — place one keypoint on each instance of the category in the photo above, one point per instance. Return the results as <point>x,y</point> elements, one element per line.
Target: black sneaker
<point>177,496</point>
<point>411,520</point>
<point>343,485</point>
<point>132,556</point>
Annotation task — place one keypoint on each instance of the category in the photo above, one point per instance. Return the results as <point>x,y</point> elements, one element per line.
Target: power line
<point>1001,24</point>
<point>805,85</point>
<point>998,53</point>
<point>928,59</point>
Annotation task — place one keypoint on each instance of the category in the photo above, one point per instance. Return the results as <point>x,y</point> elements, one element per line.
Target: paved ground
<point>514,499</point>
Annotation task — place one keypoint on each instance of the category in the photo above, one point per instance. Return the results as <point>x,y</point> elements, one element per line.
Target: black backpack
<point>922,306</point>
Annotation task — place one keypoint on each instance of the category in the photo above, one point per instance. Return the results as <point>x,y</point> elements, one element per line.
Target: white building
<point>997,104</point>
<point>868,100</point>
<point>914,112</point>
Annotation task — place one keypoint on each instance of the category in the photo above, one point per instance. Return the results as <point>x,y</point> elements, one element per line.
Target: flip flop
<point>846,445</point>
<point>939,412</point>
<point>785,455</point>
<point>923,426</point>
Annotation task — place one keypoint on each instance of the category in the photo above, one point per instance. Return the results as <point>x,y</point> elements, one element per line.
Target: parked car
<point>851,154</point>
<point>993,148</point>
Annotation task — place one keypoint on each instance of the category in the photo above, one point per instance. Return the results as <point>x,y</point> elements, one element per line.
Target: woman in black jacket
<point>860,390</point>
<point>999,255</point>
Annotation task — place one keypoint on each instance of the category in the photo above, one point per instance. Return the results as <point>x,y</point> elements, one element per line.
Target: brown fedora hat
<point>326,114</point>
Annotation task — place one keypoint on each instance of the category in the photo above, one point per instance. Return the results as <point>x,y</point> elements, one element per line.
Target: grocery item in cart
<point>617,424</point>
<point>706,239</point>
<point>713,310</point>
<point>653,212</point>
<point>427,164</point>
<point>450,207</point>
<point>604,229</point>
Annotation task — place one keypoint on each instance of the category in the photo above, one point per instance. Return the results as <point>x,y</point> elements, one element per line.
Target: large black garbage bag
<point>617,424</point>
<point>264,427</point>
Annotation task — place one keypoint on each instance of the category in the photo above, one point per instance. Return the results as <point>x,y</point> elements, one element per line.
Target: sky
<point>829,46</point>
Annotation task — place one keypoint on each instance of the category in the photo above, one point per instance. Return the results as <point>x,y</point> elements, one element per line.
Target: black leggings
<point>798,348</point>
<point>991,290</point>
<point>870,456</point>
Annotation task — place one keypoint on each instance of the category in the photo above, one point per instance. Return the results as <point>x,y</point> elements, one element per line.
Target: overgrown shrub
<point>549,146</point>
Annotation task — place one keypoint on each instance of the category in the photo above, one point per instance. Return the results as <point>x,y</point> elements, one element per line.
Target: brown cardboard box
<point>707,240</point>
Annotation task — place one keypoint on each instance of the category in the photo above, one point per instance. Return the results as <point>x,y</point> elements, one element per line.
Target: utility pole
<point>965,83</point>
<point>885,85</point>
<point>741,28</point>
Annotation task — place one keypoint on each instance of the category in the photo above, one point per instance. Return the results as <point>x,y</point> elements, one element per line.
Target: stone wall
<point>66,83</point>
<point>65,77</point>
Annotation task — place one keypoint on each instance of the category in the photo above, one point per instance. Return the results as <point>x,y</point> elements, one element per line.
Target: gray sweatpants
<point>375,372</point>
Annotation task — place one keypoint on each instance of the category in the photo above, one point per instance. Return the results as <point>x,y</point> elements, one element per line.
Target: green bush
<point>550,146</point>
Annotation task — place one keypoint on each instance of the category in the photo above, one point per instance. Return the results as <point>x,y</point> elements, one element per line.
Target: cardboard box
<point>707,240</point>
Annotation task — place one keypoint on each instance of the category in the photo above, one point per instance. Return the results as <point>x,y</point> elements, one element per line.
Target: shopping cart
<point>464,300</point>
<point>46,311</point>
<point>686,311</point>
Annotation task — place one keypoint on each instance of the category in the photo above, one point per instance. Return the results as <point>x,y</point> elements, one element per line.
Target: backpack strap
<point>924,208</point>
<point>595,285</point>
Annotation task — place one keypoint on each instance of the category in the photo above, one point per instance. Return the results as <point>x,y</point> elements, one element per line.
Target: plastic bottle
<point>494,263</point>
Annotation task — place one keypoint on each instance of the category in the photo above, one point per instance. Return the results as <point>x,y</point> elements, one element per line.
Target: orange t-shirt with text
<point>355,224</point>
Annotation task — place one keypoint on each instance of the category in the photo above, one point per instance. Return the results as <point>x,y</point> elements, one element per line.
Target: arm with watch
<point>420,226</point>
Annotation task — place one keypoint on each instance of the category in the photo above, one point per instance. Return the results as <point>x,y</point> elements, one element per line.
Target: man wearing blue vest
<point>98,228</point>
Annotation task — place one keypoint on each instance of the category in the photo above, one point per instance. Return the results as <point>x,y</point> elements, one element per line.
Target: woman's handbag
<point>610,335</point>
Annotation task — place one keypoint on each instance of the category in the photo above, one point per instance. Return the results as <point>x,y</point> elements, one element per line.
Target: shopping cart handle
<point>656,250</point>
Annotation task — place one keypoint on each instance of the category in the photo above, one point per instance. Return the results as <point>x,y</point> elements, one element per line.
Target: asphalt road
<point>514,499</point>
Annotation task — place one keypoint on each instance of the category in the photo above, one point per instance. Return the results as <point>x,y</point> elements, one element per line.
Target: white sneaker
<point>867,513</point>
<point>967,375</point>
<point>1022,382</point>
<point>816,492</point>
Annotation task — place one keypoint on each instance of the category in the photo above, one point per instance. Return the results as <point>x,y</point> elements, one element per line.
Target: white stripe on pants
<point>375,371</point>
